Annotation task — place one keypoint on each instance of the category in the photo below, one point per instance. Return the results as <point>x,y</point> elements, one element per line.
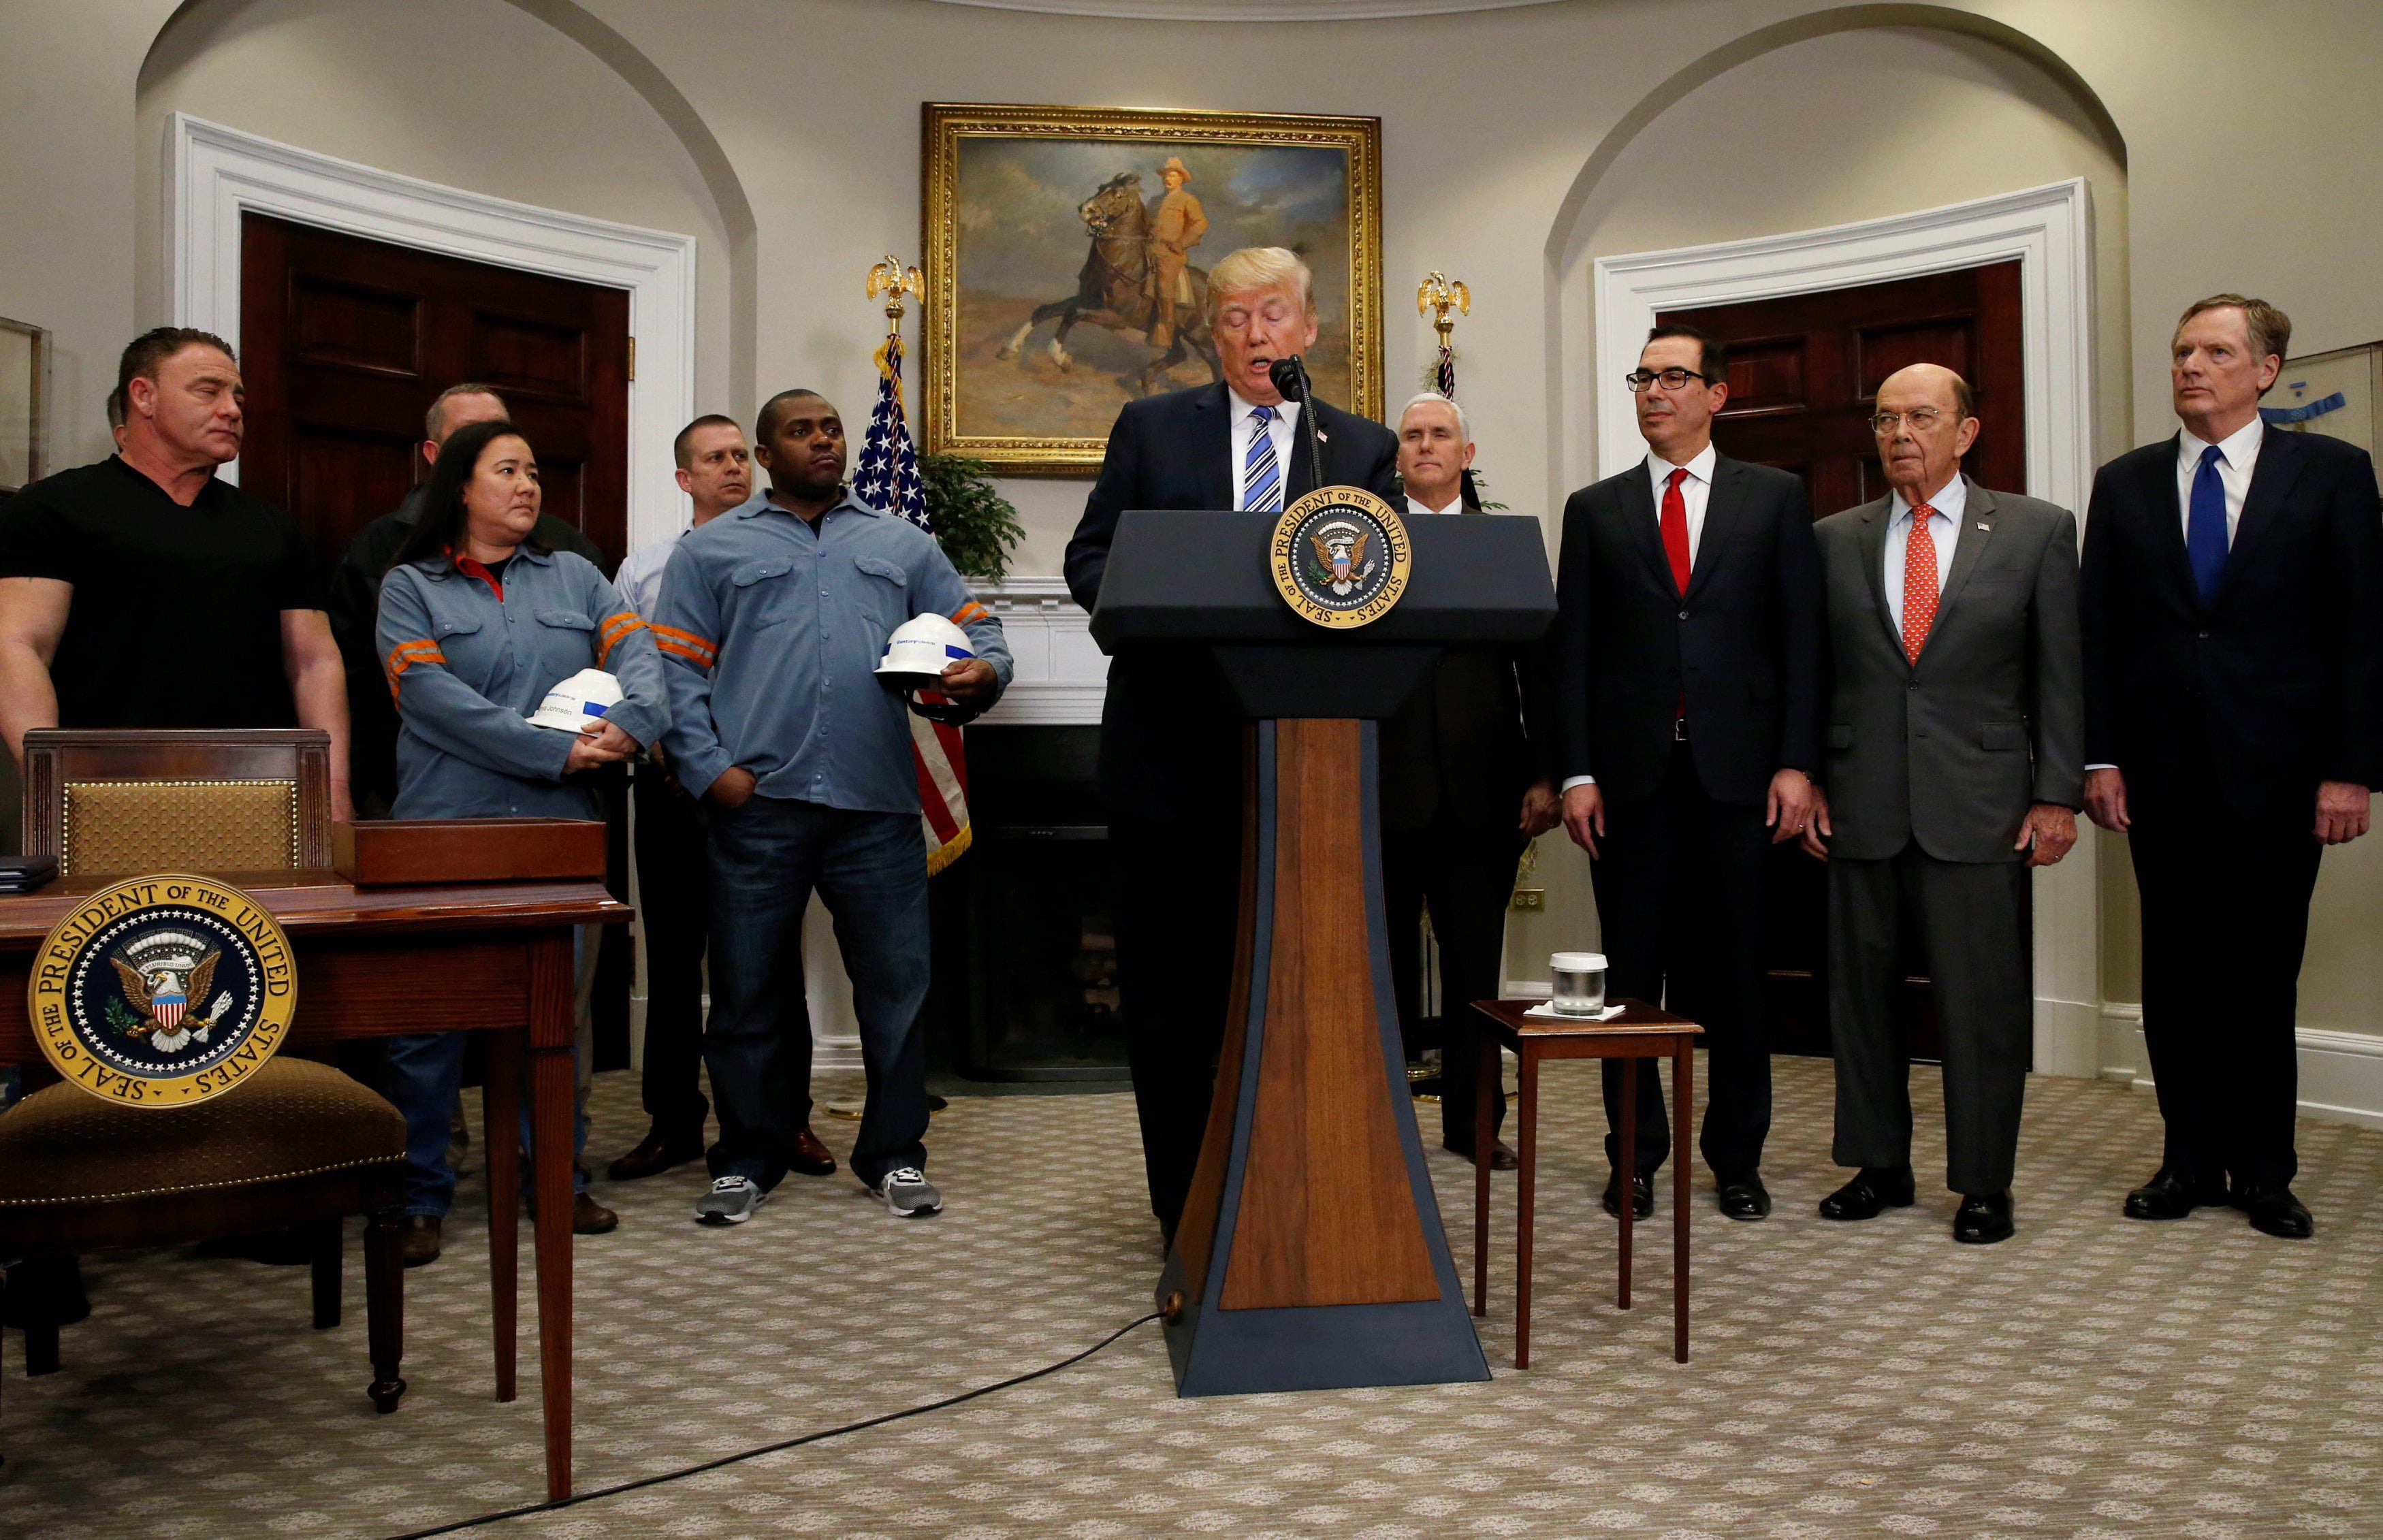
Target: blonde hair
<point>1261,269</point>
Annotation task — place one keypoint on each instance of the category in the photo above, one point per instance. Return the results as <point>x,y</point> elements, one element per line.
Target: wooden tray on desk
<point>391,853</point>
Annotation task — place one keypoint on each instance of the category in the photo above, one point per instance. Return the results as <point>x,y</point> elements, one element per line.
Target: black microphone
<point>1290,375</point>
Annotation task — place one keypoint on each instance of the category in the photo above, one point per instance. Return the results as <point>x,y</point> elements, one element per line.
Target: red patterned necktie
<point>1919,583</point>
<point>1675,528</point>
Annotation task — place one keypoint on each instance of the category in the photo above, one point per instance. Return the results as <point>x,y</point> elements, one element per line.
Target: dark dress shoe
<point>810,1157</point>
<point>1743,1196</point>
<point>2273,1210</point>
<point>1983,1218</point>
<point>420,1242</point>
<point>1869,1194</point>
<point>1500,1157</point>
<point>2171,1194</point>
<point>1642,1195</point>
<point>657,1153</point>
<point>590,1217</point>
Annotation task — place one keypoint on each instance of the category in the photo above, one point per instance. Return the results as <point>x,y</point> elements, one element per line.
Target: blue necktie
<point>1260,476</point>
<point>2204,525</point>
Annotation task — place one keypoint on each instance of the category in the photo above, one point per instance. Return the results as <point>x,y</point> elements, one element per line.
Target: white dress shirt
<point>1455,505</point>
<point>639,581</point>
<point>1286,418</point>
<point>2240,454</point>
<point>1696,492</point>
<point>1949,502</point>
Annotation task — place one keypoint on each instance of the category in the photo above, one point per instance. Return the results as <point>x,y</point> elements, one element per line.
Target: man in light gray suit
<point>1954,762</point>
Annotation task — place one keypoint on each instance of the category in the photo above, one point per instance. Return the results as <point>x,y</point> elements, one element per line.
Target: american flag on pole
<point>887,479</point>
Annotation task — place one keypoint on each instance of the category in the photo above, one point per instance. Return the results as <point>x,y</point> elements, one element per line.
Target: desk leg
<point>1484,1147</point>
<point>500,1111</point>
<point>1526,1139</point>
<point>551,1090</point>
<point>1684,1102</point>
<point>1627,1171</point>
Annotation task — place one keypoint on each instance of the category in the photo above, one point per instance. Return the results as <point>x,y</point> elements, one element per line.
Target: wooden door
<point>1804,374</point>
<point>345,342</point>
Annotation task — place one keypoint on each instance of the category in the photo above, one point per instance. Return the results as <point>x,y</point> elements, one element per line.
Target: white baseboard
<point>2341,1073</point>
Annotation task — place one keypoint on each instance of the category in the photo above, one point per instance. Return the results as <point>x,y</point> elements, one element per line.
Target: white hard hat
<point>919,650</point>
<point>579,702</point>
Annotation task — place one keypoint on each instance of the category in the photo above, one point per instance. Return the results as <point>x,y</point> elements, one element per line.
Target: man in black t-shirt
<point>144,592</point>
<point>355,594</point>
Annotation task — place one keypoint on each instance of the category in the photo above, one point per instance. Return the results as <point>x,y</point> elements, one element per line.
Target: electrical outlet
<point>1530,898</point>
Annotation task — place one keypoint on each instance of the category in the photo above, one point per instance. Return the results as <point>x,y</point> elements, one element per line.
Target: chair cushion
<point>292,1117</point>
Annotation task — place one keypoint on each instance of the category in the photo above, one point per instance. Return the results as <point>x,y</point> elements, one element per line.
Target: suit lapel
<point>1873,545</point>
<point>1723,503</point>
<point>1212,446</point>
<point>1635,488</point>
<point>2168,515</point>
<point>1299,477</point>
<point>1968,544</point>
<point>2271,482</point>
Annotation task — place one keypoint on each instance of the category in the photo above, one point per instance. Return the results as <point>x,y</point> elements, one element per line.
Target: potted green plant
<point>977,525</point>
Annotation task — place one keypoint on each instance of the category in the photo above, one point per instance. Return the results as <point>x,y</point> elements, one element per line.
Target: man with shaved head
<point>1955,763</point>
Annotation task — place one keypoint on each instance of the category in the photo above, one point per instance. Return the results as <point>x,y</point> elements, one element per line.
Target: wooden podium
<point>1311,1255</point>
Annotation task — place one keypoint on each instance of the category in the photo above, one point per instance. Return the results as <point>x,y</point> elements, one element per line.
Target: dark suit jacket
<point>2278,683</point>
<point>1170,734</point>
<point>1951,751</point>
<point>1744,645</point>
<point>355,617</point>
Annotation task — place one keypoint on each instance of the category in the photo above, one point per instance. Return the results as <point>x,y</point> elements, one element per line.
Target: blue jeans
<point>424,1071</point>
<point>871,871</point>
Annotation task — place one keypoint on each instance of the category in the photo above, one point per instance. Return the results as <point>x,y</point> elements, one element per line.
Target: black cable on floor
<point>576,1498</point>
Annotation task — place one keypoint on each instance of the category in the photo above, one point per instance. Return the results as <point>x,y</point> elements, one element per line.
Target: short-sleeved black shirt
<point>177,612</point>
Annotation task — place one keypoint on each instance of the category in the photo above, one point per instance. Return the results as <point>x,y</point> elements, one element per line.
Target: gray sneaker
<point>908,1193</point>
<point>731,1201</point>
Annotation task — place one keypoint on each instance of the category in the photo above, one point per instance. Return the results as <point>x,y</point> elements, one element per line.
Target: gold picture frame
<point>1027,208</point>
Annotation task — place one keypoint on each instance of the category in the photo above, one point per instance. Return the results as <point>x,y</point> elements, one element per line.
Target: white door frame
<point>216,174</point>
<point>2049,230</point>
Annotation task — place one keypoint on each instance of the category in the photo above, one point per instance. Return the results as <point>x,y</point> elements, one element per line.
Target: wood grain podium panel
<point>1197,1234</point>
<point>1325,1217</point>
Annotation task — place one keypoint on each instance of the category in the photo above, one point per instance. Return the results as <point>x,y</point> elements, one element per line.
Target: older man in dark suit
<point>2233,611</point>
<point>1954,764</point>
<point>1170,765</point>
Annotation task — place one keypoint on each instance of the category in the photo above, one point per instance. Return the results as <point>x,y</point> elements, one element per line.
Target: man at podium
<point>1170,764</point>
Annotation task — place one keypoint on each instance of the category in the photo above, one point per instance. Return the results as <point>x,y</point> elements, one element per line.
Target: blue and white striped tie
<point>1260,476</point>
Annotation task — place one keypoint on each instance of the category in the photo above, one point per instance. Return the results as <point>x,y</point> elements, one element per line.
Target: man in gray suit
<point>1955,763</point>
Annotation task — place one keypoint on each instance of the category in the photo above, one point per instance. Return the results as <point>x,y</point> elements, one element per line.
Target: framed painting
<point>2335,393</point>
<point>1068,253</point>
<point>24,404</point>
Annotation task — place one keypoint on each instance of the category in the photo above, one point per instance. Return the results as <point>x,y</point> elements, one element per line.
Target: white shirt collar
<point>1286,412</point>
<point>1699,467</point>
<point>1949,501</point>
<point>1455,505</point>
<point>2239,448</point>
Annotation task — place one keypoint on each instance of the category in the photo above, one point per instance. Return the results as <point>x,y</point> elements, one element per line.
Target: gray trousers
<point>1972,921</point>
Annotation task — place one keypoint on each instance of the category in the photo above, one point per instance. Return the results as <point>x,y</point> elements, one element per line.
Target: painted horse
<point>1110,288</point>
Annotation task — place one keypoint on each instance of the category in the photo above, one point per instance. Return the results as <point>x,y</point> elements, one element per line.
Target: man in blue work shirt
<point>773,617</point>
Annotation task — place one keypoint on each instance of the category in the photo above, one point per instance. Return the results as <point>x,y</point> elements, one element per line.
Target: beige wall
<point>1535,139</point>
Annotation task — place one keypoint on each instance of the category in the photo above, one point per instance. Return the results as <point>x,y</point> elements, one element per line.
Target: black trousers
<point>1466,877</point>
<point>1679,899</point>
<point>2224,917</point>
<point>1974,924</point>
<point>672,907</point>
<point>1178,907</point>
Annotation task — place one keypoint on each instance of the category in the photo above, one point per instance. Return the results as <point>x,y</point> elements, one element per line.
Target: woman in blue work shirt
<point>478,623</point>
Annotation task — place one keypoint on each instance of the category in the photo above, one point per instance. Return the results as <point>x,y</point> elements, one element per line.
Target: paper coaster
<point>1545,1011</point>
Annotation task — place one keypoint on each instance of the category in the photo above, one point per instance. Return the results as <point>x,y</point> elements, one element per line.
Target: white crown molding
<point>1241,12</point>
<point>216,174</point>
<point>1062,675</point>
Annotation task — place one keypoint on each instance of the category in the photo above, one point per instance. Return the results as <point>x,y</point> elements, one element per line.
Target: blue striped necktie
<point>2205,527</point>
<point>1261,475</point>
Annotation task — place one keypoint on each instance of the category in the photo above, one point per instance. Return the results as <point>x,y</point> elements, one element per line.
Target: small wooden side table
<point>1641,1031</point>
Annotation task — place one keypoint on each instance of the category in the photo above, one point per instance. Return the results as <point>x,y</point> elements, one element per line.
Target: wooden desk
<point>376,962</point>
<point>1641,1031</point>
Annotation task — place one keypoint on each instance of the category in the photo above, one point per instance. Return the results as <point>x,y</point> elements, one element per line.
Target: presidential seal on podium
<point>1340,557</point>
<point>163,991</point>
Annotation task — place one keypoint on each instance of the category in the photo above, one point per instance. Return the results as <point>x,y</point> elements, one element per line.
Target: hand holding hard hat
<point>932,663</point>
<point>578,705</point>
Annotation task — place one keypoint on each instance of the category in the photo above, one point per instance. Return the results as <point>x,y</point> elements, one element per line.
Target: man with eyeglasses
<point>1956,763</point>
<point>1688,668</point>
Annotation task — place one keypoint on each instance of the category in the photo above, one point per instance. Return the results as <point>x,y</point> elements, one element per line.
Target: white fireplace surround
<point>1061,674</point>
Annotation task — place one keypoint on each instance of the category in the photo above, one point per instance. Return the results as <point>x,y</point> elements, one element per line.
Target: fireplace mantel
<point>1062,675</point>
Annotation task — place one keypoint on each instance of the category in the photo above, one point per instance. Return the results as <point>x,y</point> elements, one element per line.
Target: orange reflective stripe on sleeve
<point>687,643</point>
<point>406,655</point>
<point>971,610</point>
<point>614,628</point>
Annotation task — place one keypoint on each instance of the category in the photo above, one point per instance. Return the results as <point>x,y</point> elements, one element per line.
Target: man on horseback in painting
<point>1176,226</point>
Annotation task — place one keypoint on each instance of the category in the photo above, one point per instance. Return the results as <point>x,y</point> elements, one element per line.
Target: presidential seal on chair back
<point>163,991</point>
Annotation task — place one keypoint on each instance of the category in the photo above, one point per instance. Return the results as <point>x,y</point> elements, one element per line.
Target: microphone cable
<point>558,1504</point>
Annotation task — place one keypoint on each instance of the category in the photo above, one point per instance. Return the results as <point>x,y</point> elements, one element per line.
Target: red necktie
<point>1675,528</point>
<point>1919,583</point>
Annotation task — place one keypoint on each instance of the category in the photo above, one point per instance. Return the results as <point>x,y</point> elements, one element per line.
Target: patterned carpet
<point>2090,1377</point>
